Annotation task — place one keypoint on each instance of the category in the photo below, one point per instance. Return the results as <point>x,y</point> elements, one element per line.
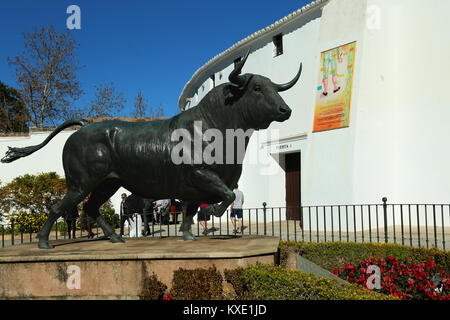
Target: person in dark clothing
<point>71,219</point>
<point>203,217</point>
<point>86,221</point>
<point>147,212</point>
<point>165,211</point>
<point>184,205</point>
<point>123,216</point>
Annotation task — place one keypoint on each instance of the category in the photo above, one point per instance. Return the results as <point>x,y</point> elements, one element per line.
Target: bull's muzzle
<point>284,112</point>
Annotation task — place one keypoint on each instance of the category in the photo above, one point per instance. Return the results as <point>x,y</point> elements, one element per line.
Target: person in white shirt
<point>165,211</point>
<point>236,209</point>
<point>157,211</point>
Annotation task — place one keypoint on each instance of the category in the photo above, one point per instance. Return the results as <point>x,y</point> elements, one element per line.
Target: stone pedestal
<point>98,269</point>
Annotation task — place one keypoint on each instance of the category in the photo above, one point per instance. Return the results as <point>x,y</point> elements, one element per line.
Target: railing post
<point>12,231</point>
<point>385,219</point>
<point>265,220</point>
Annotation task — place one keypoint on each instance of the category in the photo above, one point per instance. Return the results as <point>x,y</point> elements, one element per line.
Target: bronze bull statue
<point>101,157</point>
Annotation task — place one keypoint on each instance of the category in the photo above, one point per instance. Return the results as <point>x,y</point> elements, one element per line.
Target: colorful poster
<point>334,88</point>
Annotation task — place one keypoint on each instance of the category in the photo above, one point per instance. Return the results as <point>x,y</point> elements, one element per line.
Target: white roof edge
<point>240,44</point>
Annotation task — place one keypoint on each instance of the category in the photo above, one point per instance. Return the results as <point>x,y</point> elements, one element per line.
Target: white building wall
<point>400,147</point>
<point>402,131</point>
<point>331,160</point>
<point>47,159</point>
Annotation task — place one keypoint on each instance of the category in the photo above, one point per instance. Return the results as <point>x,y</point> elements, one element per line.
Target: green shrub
<point>197,284</point>
<point>152,289</point>
<point>110,216</point>
<point>266,282</point>
<point>241,289</point>
<point>62,227</point>
<point>28,222</point>
<point>331,255</point>
<point>7,230</point>
<point>32,193</point>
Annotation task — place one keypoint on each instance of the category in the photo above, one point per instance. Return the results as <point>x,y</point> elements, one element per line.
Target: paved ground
<point>144,248</point>
<point>286,231</point>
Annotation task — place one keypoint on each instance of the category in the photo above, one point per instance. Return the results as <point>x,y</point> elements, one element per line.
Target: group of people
<point>158,212</point>
<point>137,210</point>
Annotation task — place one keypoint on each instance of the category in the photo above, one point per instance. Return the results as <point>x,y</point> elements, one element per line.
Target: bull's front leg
<point>209,182</point>
<point>188,220</point>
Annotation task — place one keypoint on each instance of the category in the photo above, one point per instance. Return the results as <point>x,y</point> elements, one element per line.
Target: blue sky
<point>155,46</point>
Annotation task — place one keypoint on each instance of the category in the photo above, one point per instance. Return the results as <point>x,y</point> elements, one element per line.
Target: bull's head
<point>258,98</point>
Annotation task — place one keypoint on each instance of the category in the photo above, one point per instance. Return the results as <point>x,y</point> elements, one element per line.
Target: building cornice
<point>204,72</point>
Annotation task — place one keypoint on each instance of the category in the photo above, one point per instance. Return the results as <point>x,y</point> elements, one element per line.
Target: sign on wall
<point>334,88</point>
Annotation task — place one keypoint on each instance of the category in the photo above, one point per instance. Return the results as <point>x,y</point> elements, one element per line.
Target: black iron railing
<point>421,225</point>
<point>14,233</point>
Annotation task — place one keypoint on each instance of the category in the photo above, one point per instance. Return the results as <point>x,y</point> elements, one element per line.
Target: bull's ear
<point>227,91</point>
<point>233,91</point>
<point>231,94</point>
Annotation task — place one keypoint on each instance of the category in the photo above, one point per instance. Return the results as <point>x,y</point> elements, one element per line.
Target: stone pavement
<point>143,248</point>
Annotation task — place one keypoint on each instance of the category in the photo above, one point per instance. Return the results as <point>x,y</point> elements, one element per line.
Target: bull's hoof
<point>188,236</point>
<point>116,239</point>
<point>44,244</point>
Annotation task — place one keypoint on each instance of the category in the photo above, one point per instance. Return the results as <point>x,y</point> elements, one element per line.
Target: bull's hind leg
<point>70,200</point>
<point>188,220</point>
<point>100,195</point>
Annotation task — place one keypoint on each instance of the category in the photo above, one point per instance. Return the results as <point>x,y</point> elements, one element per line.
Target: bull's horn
<point>234,76</point>
<point>284,87</point>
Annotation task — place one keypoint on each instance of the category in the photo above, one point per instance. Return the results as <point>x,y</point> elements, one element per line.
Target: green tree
<point>13,112</point>
<point>32,193</point>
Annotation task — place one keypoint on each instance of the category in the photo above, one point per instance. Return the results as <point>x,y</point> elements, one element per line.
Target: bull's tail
<point>16,153</point>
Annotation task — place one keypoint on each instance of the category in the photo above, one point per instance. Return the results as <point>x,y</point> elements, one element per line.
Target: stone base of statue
<point>99,269</point>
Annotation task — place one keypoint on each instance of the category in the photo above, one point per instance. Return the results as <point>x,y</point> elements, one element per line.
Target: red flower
<point>168,297</point>
<point>404,280</point>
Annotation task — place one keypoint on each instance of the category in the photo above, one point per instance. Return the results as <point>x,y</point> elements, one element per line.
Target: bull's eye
<point>257,88</point>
